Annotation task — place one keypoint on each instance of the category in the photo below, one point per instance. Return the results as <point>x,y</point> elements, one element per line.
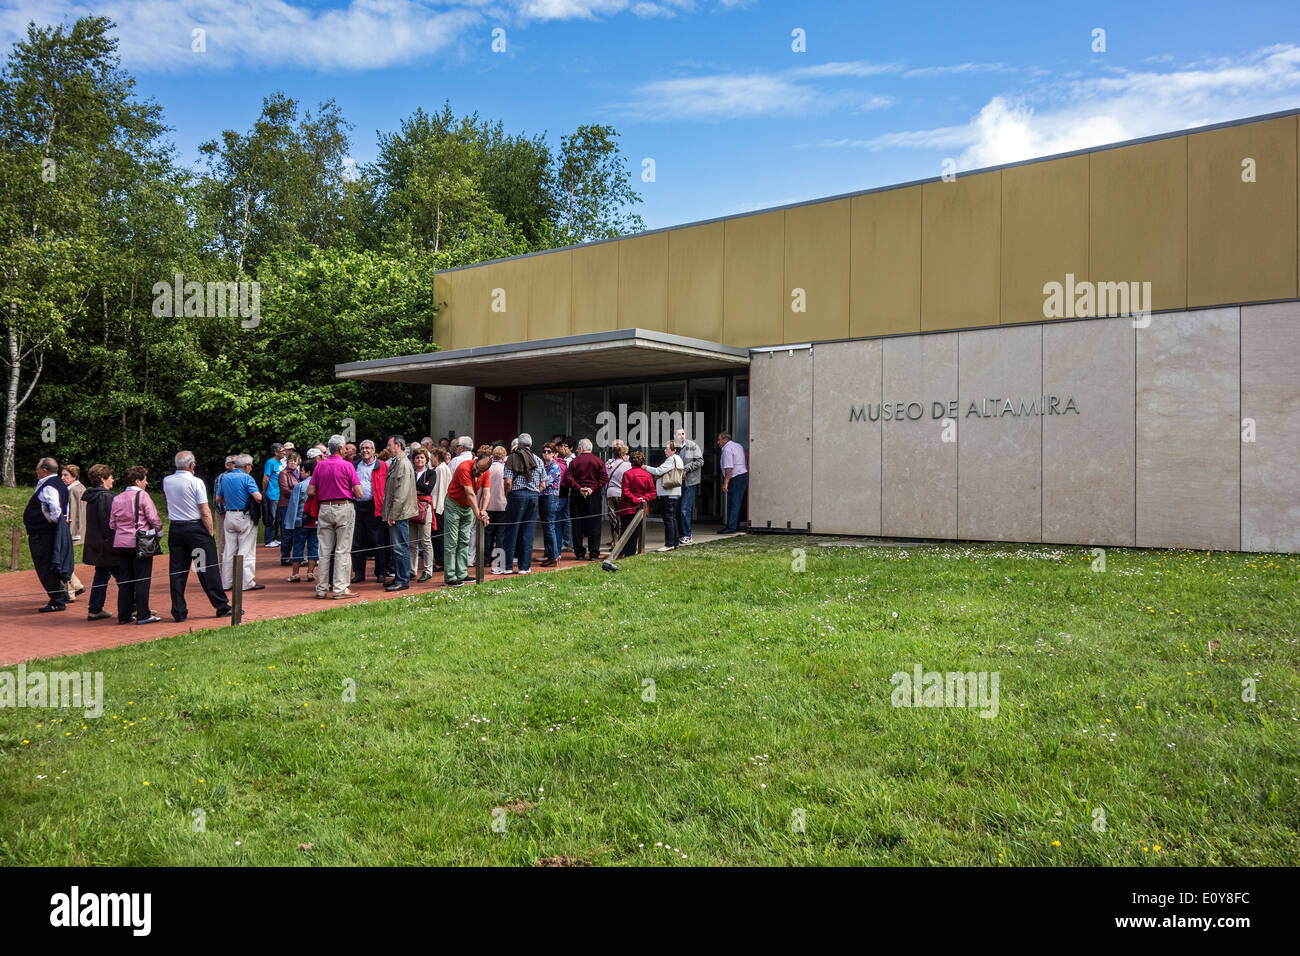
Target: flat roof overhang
<point>593,357</point>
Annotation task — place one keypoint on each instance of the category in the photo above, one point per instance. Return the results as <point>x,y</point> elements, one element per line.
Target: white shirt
<point>184,492</point>
<point>442,478</point>
<point>463,456</point>
<point>49,498</point>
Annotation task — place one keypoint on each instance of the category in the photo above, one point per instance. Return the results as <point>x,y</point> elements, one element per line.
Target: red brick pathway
<point>26,634</point>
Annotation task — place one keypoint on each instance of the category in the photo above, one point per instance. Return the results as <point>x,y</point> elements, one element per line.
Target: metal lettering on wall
<point>987,408</point>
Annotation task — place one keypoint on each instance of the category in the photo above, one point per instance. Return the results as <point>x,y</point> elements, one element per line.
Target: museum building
<point>1097,348</point>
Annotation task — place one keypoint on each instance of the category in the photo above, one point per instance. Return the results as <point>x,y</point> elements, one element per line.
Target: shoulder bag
<point>148,544</point>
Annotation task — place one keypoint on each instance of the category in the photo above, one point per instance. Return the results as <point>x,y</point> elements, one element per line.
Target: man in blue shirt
<point>271,495</point>
<point>237,493</point>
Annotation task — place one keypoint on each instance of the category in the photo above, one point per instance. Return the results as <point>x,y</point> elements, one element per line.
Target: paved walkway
<point>26,635</point>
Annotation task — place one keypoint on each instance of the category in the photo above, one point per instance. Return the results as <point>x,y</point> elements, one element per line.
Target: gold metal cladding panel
<point>780,439</point>
<point>509,284</point>
<point>595,288</point>
<point>550,295</point>
<point>1242,233</point>
<point>960,251</point>
<point>643,282</point>
<point>473,308</point>
<point>999,448</point>
<point>846,496</point>
<point>443,319</point>
<point>817,272</point>
<point>1044,233</point>
<point>1189,430</point>
<point>1270,408</point>
<point>885,263</point>
<point>695,282</point>
<point>1138,218</point>
<point>753,250</point>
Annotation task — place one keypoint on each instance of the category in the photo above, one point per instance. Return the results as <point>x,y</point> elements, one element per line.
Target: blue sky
<point>712,90</point>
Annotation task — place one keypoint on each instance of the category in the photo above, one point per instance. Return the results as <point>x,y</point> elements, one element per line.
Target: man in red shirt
<point>586,478</point>
<point>462,506</point>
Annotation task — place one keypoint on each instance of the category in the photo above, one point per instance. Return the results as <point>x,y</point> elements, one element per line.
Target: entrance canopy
<point>594,357</point>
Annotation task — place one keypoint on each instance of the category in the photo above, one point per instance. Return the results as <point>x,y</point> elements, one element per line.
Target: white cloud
<point>365,34</point>
<point>957,68</point>
<point>1122,105</point>
<point>722,96</point>
<point>155,35</point>
<point>571,9</point>
<point>845,68</point>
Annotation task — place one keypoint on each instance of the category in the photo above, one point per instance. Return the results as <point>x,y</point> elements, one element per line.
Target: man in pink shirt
<point>334,484</point>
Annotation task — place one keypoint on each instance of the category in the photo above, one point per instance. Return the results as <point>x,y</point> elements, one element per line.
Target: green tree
<point>281,183</point>
<point>594,194</point>
<point>80,161</point>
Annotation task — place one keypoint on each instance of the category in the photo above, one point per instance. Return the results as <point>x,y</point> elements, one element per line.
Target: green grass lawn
<point>1120,694</point>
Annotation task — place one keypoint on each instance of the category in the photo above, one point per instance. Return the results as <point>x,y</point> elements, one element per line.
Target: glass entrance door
<point>707,401</point>
<point>645,416</point>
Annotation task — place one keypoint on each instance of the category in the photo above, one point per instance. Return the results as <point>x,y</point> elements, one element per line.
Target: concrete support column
<point>451,409</point>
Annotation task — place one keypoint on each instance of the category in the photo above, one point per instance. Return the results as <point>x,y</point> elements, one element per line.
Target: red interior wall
<point>496,420</point>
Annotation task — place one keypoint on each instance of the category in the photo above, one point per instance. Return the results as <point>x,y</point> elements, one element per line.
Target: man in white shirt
<point>463,449</point>
<point>735,480</point>
<point>43,520</point>
<point>189,538</point>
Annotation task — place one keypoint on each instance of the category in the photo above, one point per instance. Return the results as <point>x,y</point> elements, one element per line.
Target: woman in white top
<point>496,503</point>
<point>670,499</point>
<point>441,480</point>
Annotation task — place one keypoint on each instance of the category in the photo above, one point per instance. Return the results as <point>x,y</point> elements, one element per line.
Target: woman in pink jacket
<point>133,511</point>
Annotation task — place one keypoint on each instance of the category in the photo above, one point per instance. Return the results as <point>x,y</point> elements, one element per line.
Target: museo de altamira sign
<point>987,408</point>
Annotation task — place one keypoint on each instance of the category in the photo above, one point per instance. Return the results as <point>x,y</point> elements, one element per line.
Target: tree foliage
<point>95,212</point>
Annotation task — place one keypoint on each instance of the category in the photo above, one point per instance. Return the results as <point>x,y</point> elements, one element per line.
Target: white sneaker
<point>664,548</point>
<point>529,571</point>
<point>495,571</point>
<point>687,541</point>
<point>273,544</point>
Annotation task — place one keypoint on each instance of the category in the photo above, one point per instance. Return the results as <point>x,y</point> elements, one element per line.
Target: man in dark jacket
<point>98,538</point>
<point>43,517</point>
<point>585,478</point>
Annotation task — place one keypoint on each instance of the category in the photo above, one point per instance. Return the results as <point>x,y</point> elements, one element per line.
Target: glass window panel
<point>544,414</point>
<point>588,403</point>
<point>625,401</point>
<point>667,414</point>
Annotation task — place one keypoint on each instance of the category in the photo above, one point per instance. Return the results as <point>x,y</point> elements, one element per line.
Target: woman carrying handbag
<point>424,522</point>
<point>137,530</point>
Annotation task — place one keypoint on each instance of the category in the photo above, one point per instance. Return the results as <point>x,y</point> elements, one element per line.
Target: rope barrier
<point>382,547</point>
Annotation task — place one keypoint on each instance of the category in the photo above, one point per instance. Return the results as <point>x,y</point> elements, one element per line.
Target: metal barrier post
<point>237,598</point>
<point>481,544</point>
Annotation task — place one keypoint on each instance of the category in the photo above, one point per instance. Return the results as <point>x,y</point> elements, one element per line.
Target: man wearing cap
<point>230,463</point>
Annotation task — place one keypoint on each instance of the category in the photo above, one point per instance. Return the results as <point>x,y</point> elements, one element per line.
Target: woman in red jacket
<point>638,489</point>
<point>383,554</point>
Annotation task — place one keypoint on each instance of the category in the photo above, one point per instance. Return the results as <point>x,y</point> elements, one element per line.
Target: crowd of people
<point>337,509</point>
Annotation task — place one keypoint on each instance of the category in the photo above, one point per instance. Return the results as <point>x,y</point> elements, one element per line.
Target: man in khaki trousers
<point>236,493</point>
<point>335,485</point>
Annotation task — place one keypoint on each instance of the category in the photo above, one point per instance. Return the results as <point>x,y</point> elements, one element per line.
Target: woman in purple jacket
<point>133,511</point>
